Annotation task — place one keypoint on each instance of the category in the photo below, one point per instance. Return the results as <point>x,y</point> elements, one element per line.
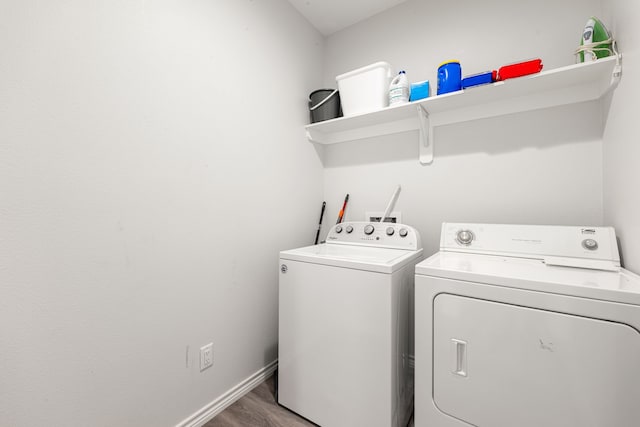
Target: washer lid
<point>533,274</point>
<point>367,258</point>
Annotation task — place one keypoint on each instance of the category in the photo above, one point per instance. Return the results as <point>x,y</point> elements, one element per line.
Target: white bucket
<point>365,89</point>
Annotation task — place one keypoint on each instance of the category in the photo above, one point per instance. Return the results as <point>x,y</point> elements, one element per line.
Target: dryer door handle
<point>459,357</point>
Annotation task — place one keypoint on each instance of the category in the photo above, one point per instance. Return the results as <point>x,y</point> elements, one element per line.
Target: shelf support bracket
<point>426,136</point>
<point>617,71</point>
<point>310,136</point>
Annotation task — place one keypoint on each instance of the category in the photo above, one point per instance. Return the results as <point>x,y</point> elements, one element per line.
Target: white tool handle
<point>391,204</point>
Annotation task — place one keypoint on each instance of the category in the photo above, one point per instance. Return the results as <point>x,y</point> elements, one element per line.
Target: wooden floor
<point>258,408</point>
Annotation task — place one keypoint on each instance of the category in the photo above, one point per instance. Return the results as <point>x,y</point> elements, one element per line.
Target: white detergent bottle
<point>399,89</point>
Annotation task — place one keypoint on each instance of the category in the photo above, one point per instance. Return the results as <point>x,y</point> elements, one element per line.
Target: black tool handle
<point>324,204</point>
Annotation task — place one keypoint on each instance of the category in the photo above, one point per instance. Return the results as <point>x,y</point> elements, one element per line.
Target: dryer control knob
<point>390,231</point>
<point>349,229</point>
<point>368,229</point>
<point>338,229</point>
<point>403,232</point>
<point>464,237</point>
<point>590,244</point>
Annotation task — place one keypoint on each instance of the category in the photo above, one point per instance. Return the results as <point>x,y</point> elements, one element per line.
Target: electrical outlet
<point>374,216</point>
<point>206,356</point>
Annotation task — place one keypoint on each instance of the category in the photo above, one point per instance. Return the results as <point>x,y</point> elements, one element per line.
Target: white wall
<point>542,167</point>
<point>621,145</point>
<point>152,165</point>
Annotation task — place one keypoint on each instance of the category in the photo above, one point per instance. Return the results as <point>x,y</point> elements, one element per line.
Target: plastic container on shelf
<point>420,90</point>
<point>449,77</point>
<point>399,89</point>
<point>324,104</point>
<point>479,79</point>
<point>520,69</point>
<point>365,89</point>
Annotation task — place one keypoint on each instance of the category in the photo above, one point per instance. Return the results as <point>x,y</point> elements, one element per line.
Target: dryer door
<point>502,365</point>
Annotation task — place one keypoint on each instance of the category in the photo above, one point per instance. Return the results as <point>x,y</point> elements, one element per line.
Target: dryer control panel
<point>377,234</point>
<point>584,247</point>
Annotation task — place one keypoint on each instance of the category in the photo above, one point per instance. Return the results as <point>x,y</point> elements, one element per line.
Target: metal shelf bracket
<point>426,136</point>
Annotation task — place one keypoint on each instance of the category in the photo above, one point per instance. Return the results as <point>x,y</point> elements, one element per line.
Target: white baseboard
<point>205,414</point>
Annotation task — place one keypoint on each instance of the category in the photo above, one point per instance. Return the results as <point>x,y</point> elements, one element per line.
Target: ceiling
<point>329,16</point>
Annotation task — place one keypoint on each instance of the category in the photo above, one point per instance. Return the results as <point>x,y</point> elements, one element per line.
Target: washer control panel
<point>397,236</point>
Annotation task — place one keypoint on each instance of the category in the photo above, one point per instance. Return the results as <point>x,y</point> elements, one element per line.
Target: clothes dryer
<point>526,326</point>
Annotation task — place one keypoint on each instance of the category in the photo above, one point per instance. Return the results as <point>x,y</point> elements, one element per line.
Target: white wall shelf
<point>560,86</point>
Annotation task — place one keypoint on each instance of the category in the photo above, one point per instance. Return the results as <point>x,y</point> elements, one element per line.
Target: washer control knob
<point>368,229</point>
<point>349,229</point>
<point>403,232</point>
<point>390,231</point>
<point>590,244</point>
<point>464,237</point>
<point>338,229</point>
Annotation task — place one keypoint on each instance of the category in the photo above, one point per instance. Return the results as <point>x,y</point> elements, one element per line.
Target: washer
<point>526,326</point>
<point>344,319</point>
